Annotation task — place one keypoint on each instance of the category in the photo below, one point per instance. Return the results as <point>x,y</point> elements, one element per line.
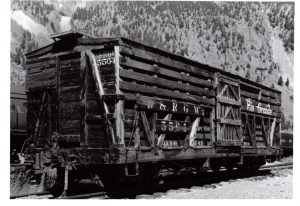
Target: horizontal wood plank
<point>230,121</point>
<point>164,83</point>
<point>164,92</point>
<point>161,60</point>
<point>144,67</point>
<point>228,101</point>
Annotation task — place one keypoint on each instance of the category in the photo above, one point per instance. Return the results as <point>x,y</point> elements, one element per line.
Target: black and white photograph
<point>151,100</point>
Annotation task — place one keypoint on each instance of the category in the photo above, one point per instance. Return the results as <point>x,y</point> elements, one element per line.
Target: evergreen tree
<point>257,79</point>
<point>287,83</point>
<point>280,81</point>
<point>248,74</point>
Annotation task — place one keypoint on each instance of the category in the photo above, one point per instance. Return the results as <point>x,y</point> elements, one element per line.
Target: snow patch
<point>27,23</point>
<point>33,27</point>
<point>65,24</point>
<point>284,59</point>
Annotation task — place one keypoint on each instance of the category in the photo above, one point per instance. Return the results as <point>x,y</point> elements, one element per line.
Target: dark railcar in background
<point>287,142</point>
<point>18,121</point>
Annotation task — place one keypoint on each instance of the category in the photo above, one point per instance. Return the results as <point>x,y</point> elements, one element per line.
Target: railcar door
<point>228,112</point>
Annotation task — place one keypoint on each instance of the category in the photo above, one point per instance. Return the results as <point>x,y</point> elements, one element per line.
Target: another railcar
<point>123,110</point>
<point>287,142</point>
<point>18,110</point>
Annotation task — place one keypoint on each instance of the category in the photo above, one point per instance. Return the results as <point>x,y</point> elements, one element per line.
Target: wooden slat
<point>144,67</point>
<point>99,89</point>
<point>227,81</point>
<point>270,94</point>
<point>44,75</point>
<point>258,87</point>
<point>146,128</point>
<point>229,101</point>
<point>119,106</point>
<point>230,121</point>
<point>164,83</point>
<point>236,96</point>
<point>164,92</point>
<point>38,60</point>
<point>158,59</point>
<point>262,99</point>
<point>31,85</point>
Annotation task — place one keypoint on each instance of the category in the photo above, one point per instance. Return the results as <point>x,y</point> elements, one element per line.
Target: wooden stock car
<point>120,109</point>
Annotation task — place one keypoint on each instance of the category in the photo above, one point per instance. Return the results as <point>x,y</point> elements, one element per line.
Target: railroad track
<point>283,165</point>
<point>174,182</point>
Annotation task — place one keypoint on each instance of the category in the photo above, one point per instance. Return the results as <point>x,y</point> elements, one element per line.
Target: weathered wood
<point>161,60</point>
<point>144,67</point>
<point>229,82</point>
<point>45,75</point>
<point>38,119</point>
<point>272,131</point>
<point>83,99</point>
<point>38,60</point>
<point>164,83</point>
<point>119,107</point>
<point>228,101</point>
<point>234,92</point>
<point>255,86</point>
<point>146,128</point>
<point>136,130</point>
<point>153,131</point>
<point>164,92</point>
<point>212,125</point>
<point>40,85</point>
<point>264,132</point>
<point>262,99</point>
<point>99,86</point>
<point>229,121</point>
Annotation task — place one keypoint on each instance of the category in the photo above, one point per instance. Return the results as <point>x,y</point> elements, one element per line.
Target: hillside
<point>234,36</point>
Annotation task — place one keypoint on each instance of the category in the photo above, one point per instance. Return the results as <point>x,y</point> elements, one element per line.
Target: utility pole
<point>261,73</point>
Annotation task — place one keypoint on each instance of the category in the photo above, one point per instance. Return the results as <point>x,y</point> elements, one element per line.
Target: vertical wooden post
<point>216,83</point>
<point>272,131</point>
<point>153,131</point>
<point>83,99</point>
<point>254,126</point>
<point>145,127</point>
<point>100,91</point>
<point>137,137</point>
<point>212,126</point>
<point>58,94</point>
<point>49,116</point>
<point>119,107</point>
<point>263,128</point>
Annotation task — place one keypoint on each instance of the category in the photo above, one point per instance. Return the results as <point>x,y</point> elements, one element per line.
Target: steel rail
<point>29,194</point>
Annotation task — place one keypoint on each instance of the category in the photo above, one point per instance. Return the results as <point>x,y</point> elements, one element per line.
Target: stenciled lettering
<point>162,107</point>
<point>258,107</point>
<point>174,107</point>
